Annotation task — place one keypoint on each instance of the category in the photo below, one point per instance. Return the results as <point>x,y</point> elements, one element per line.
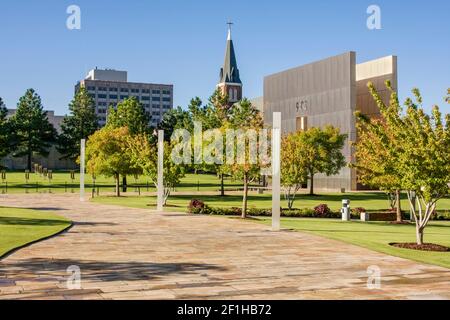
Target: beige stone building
<point>328,92</point>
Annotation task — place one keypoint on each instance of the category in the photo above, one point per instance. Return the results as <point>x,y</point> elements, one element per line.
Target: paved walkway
<point>126,253</point>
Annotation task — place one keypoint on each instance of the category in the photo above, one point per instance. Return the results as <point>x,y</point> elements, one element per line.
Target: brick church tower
<point>230,82</point>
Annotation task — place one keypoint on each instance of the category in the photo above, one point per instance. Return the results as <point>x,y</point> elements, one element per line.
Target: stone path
<point>126,253</point>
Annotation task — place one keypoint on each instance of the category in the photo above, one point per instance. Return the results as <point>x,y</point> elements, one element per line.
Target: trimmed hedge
<point>321,211</point>
<point>294,213</point>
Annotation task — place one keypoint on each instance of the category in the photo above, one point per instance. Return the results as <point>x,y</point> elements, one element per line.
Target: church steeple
<point>230,81</point>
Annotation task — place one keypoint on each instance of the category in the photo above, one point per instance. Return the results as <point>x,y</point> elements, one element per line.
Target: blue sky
<point>183,42</point>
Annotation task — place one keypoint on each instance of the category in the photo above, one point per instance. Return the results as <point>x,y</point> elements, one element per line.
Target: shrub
<point>358,210</point>
<point>322,211</point>
<point>196,206</point>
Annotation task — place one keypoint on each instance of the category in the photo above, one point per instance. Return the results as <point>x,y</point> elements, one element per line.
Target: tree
<point>425,160</point>
<point>421,154</point>
<point>144,155</point>
<point>321,151</point>
<point>293,167</point>
<point>175,119</point>
<point>80,124</point>
<point>376,152</point>
<point>247,118</point>
<point>33,133</point>
<point>4,131</point>
<point>130,113</point>
<point>107,154</point>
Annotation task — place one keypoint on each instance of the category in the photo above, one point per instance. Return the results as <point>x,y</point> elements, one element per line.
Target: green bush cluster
<point>293,213</point>
<point>321,211</point>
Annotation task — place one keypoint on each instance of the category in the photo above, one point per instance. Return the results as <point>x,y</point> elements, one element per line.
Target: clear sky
<point>183,42</point>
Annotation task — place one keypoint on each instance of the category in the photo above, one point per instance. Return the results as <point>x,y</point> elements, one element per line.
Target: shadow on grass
<point>105,271</point>
<point>30,221</point>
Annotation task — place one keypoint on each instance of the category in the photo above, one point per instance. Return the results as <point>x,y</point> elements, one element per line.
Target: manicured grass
<point>368,200</point>
<point>62,182</point>
<point>377,236</point>
<point>19,227</point>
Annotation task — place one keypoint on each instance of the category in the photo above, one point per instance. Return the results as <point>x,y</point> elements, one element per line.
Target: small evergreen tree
<point>79,124</point>
<point>4,130</point>
<point>33,133</point>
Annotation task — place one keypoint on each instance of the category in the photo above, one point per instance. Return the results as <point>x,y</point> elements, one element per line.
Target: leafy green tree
<point>4,131</point>
<point>377,151</point>
<point>130,113</point>
<point>33,133</point>
<point>80,124</point>
<point>321,151</point>
<point>107,154</point>
<point>245,117</point>
<point>175,119</point>
<point>422,153</point>
<point>144,155</point>
<point>293,166</point>
<point>425,160</point>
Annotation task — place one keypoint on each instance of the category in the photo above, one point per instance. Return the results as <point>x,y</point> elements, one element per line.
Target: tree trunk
<point>124,183</point>
<point>399,207</point>
<point>244,198</point>
<point>222,186</point>
<point>29,156</point>
<point>419,235</point>
<point>117,178</point>
<point>311,185</point>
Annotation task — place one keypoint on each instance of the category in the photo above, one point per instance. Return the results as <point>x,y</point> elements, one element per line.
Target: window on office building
<point>156,91</point>
<point>113,89</point>
<point>124,90</point>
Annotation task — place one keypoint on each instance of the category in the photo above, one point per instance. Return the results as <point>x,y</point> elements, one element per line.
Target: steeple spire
<point>230,82</point>
<point>230,71</point>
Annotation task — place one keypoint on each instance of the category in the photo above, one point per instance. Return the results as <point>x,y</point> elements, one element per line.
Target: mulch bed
<point>423,247</point>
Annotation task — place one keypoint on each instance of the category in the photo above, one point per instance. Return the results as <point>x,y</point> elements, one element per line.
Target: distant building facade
<point>229,81</point>
<point>53,160</point>
<point>109,87</point>
<point>328,92</point>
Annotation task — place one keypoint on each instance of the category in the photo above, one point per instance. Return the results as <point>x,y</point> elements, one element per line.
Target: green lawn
<point>62,182</point>
<point>368,200</point>
<point>19,227</point>
<point>377,236</point>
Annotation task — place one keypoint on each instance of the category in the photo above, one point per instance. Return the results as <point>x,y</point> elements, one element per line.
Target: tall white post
<point>160,191</point>
<point>82,167</point>
<point>276,174</point>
